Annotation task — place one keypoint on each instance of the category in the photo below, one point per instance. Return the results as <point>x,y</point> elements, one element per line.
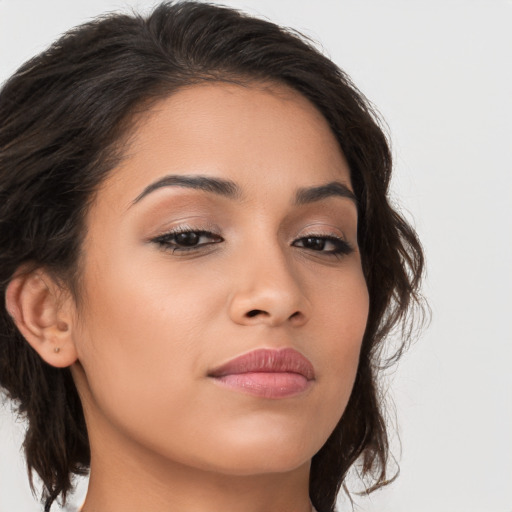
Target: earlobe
<point>42,316</point>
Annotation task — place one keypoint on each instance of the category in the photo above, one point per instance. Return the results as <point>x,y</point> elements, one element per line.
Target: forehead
<point>251,133</point>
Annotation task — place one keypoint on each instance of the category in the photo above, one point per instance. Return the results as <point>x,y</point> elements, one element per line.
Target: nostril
<point>255,312</point>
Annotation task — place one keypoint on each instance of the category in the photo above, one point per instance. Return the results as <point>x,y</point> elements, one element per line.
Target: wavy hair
<point>63,117</point>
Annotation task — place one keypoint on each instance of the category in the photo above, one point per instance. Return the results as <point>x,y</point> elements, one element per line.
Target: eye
<point>184,239</point>
<point>326,244</point>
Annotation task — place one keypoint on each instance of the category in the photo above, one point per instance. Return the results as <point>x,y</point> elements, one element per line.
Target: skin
<point>153,323</point>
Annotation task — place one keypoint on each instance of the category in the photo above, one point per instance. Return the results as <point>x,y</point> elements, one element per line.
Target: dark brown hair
<point>62,115</point>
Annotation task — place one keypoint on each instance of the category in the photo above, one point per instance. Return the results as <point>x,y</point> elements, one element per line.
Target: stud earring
<point>56,350</point>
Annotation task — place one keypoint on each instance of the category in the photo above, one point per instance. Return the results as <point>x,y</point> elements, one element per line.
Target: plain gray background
<point>440,73</point>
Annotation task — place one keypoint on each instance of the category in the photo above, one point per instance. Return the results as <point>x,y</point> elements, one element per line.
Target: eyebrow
<point>332,189</point>
<point>231,190</point>
<point>218,186</point>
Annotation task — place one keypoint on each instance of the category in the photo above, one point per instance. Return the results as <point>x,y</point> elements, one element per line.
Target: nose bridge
<point>268,289</point>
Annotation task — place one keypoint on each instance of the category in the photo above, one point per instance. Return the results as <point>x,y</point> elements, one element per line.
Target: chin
<point>265,462</point>
<point>272,452</point>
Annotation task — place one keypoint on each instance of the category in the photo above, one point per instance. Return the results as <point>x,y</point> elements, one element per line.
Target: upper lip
<point>285,360</point>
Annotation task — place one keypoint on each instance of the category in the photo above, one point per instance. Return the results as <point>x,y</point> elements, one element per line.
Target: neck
<point>129,479</point>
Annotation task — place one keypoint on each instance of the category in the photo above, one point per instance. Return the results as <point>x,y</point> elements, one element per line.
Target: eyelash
<point>168,242</point>
<point>341,247</point>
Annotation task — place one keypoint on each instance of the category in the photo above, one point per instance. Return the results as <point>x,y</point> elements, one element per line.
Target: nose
<point>268,291</point>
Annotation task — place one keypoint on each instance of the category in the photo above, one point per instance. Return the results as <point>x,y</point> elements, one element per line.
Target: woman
<point>199,265</point>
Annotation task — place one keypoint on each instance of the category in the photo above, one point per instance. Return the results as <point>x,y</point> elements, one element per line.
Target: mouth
<point>267,373</point>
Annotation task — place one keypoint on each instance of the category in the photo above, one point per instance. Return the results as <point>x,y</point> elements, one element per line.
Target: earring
<point>56,350</point>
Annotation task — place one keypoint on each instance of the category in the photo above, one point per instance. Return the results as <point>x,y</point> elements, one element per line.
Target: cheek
<point>142,353</point>
<point>341,317</point>
<point>146,324</point>
<point>341,309</point>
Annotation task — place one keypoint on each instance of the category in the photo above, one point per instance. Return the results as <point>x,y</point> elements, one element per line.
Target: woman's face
<point>229,231</point>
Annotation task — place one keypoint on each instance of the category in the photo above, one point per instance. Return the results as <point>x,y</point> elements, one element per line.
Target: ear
<point>42,313</point>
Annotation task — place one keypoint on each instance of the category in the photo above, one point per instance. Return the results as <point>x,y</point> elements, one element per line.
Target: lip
<point>268,373</point>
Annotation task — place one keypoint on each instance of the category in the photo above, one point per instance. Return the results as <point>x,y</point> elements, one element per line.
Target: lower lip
<point>266,384</point>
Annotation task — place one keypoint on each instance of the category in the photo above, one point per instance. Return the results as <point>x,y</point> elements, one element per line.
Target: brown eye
<point>187,240</point>
<point>314,243</point>
<point>329,245</point>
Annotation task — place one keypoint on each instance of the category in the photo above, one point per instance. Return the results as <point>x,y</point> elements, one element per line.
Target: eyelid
<point>187,229</point>
<point>188,223</point>
<point>321,229</point>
